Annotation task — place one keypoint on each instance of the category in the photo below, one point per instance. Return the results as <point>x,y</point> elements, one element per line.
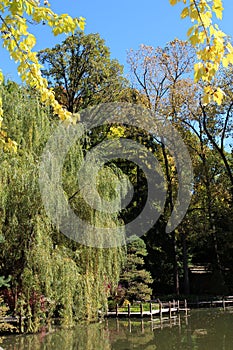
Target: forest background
<point>46,275</point>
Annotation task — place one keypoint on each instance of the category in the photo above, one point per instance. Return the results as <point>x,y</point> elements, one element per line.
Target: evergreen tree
<point>135,279</point>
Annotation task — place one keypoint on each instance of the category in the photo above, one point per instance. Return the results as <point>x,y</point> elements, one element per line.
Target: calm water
<point>201,330</point>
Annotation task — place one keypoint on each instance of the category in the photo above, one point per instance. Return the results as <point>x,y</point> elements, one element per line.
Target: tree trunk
<point>185,266</point>
<point>175,267</point>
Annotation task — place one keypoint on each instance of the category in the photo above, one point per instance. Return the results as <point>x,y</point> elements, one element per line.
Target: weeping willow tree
<point>51,275</point>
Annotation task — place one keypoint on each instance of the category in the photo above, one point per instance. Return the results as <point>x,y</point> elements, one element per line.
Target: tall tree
<point>51,275</point>
<point>158,73</point>
<point>207,132</point>
<point>81,72</point>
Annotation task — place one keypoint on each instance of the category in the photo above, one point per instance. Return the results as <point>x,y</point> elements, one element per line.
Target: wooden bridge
<point>155,309</point>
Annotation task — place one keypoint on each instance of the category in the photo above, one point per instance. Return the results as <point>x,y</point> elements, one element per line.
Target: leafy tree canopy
<point>14,19</point>
<point>81,72</point>
<point>213,47</point>
<point>210,42</point>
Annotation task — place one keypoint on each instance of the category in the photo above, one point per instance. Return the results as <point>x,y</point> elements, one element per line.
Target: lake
<point>203,329</point>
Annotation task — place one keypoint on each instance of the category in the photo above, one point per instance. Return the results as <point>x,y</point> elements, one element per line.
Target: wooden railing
<point>166,308</point>
<point>157,308</point>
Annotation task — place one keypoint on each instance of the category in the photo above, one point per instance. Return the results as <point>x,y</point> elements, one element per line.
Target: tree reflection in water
<point>203,329</point>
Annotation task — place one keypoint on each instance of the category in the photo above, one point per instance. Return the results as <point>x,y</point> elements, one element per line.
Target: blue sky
<point>124,24</point>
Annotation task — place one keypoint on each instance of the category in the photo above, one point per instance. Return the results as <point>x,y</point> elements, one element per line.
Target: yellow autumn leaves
<point>14,17</point>
<point>212,45</point>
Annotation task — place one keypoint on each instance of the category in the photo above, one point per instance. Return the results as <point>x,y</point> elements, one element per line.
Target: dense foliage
<point>43,274</point>
<point>134,279</point>
<point>204,237</point>
<point>81,72</point>
<point>15,17</point>
<point>50,275</point>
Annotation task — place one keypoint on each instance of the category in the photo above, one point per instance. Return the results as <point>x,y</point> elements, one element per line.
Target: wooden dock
<point>226,302</point>
<point>156,310</point>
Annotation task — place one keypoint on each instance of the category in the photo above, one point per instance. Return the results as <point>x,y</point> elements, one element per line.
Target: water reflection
<point>202,330</point>
<point>94,336</point>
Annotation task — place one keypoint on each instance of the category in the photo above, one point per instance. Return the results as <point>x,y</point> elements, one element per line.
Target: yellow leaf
<point>199,71</point>
<point>189,32</point>
<point>229,47</point>
<point>202,37</point>
<point>230,58</point>
<point>173,2</point>
<point>225,61</point>
<point>194,39</point>
<point>31,41</point>
<point>194,14</point>
<point>206,99</point>
<point>217,8</point>
<point>206,19</point>
<point>218,96</point>
<point>185,12</point>
<point>81,23</point>
<point>1,77</point>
